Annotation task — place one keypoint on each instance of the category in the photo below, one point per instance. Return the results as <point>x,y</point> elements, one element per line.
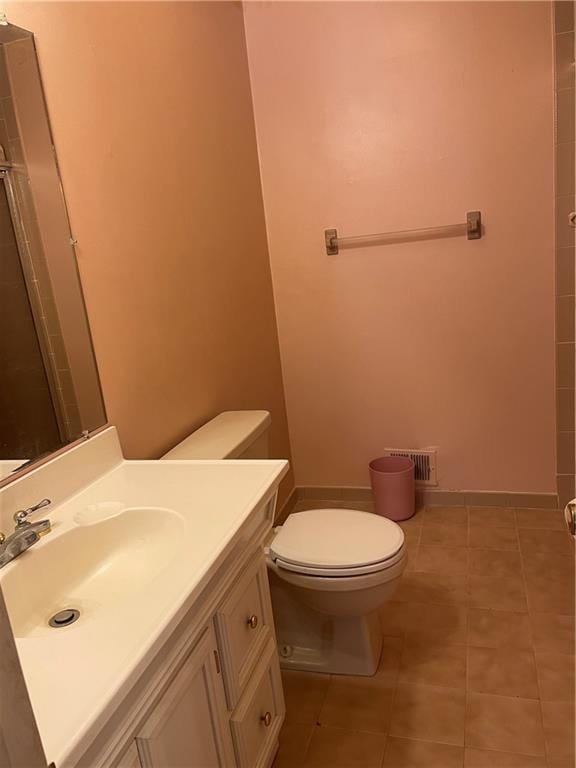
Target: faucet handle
<point>22,514</point>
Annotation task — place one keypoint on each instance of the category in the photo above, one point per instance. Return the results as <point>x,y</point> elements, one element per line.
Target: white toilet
<point>330,569</point>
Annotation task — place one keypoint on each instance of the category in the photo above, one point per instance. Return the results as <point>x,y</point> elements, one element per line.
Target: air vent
<point>424,462</point>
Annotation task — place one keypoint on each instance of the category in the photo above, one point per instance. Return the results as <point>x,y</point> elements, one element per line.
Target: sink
<point>99,563</point>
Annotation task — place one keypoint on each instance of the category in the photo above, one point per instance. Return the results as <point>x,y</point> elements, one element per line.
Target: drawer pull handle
<point>266,719</point>
<point>253,621</point>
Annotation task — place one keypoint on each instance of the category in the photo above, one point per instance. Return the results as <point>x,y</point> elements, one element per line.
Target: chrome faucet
<point>25,533</point>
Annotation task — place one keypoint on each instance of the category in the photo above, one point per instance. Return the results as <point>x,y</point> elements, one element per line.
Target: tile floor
<point>478,663</point>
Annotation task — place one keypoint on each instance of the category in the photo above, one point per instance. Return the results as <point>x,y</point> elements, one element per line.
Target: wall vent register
<point>424,463</point>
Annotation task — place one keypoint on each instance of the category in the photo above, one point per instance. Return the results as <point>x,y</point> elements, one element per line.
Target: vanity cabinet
<point>218,700</point>
<point>188,726</point>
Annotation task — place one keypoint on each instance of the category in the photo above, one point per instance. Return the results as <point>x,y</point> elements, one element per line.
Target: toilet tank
<point>231,435</point>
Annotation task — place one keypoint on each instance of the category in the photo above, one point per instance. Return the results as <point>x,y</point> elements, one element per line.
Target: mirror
<point>49,388</point>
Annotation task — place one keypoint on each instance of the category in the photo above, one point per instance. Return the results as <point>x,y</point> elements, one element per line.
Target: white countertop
<point>77,675</point>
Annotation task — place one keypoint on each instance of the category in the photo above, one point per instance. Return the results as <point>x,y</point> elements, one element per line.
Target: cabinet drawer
<point>258,718</point>
<point>244,624</point>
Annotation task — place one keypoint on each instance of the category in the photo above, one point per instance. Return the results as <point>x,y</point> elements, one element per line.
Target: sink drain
<point>64,618</point>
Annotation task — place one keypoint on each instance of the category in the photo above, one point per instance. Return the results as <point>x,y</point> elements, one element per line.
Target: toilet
<point>330,569</point>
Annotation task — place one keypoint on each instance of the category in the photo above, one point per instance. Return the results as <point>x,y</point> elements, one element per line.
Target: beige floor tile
<point>446,515</point>
<point>555,676</point>
<point>393,618</point>
<point>506,724</point>
<point>434,588</point>
<point>566,761</point>
<point>304,693</point>
<point>358,704</point>
<point>411,556</point>
<point>338,748</point>
<point>551,542</point>
<point>444,535</point>
<point>413,522</point>
<point>493,517</point>
<point>411,533</point>
<point>552,633</point>
<point>429,713</point>
<point>485,758</point>
<point>294,741</point>
<point>491,537</point>
<point>444,560</point>
<point>389,665</point>
<point>427,663</point>
<point>495,580</point>
<point>550,583</point>
<point>425,621</point>
<point>408,753</point>
<point>498,629</point>
<point>540,518</point>
<point>558,717</point>
<point>502,671</point>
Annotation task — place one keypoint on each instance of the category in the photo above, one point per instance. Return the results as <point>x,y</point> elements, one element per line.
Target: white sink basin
<point>110,557</point>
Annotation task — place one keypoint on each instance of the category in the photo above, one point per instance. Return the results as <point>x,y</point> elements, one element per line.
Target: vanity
<point>137,632</point>
<point>171,657</point>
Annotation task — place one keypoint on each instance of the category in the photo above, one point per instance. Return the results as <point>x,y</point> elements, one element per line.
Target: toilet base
<point>316,642</point>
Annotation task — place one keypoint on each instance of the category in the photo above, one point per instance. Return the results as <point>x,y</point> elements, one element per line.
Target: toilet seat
<point>337,543</point>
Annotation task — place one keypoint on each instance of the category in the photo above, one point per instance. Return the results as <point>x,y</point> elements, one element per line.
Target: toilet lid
<point>336,538</point>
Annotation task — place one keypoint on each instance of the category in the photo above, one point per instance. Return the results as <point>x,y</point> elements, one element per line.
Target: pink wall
<point>152,117</point>
<point>386,116</point>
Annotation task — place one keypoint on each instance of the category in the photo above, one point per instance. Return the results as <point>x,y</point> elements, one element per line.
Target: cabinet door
<point>188,728</point>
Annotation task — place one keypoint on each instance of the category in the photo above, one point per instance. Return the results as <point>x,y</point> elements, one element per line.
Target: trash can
<point>392,479</point>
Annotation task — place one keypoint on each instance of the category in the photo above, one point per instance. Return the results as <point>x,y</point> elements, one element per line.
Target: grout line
<point>525,583</point>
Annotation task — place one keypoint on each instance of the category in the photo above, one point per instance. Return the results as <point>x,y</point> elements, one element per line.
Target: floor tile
<point>565,761</point>
<point>436,588</point>
<point>444,535</point>
<point>503,723</point>
<point>338,748</point>
<point>555,676</point>
<point>411,533</point>
<point>552,633</point>
<point>550,583</point>
<point>411,556</point>
<point>426,663</point>
<point>413,522</point>
<point>502,671</point>
<point>493,517</point>
<point>393,618</point>
<point>304,693</point>
<point>551,542</point>
<point>358,704</point>
<point>425,621</point>
<point>540,518</point>
<point>446,515</point>
<point>558,717</point>
<point>495,580</point>
<point>294,740</point>
<point>491,537</point>
<point>498,629</point>
<point>429,713</point>
<point>445,560</point>
<point>389,665</point>
<point>484,758</point>
<point>408,753</point>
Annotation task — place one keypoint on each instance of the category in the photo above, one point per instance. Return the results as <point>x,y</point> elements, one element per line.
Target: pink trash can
<point>392,479</point>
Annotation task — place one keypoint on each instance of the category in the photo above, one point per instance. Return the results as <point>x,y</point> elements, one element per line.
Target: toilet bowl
<point>330,571</point>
